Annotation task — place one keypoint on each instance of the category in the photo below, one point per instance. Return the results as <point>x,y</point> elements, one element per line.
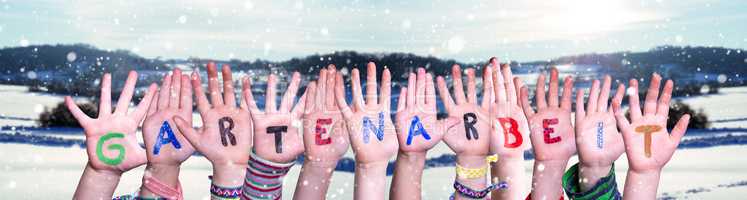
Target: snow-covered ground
<point>25,170</point>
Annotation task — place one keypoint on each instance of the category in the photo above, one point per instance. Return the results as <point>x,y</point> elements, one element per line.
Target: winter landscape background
<point>51,48</point>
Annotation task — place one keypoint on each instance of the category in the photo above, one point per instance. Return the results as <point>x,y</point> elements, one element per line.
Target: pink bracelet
<point>163,190</point>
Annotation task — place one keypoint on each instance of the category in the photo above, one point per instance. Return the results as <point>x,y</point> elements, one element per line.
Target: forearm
<point>510,170</point>
<point>370,180</point>
<point>591,175</point>
<point>547,179</point>
<point>641,185</point>
<point>408,174</point>
<point>96,184</point>
<point>472,162</point>
<point>314,180</point>
<point>163,173</point>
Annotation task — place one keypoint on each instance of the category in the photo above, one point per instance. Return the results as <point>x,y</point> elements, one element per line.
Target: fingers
<point>215,97</point>
<point>186,129</point>
<point>539,95</point>
<point>666,96</point>
<point>229,95</point>
<point>79,115</point>
<point>487,87</point>
<point>456,75</point>
<point>510,86</point>
<point>605,95</point>
<point>386,90</point>
<point>518,84</point>
<point>311,92</point>
<point>340,97</point>
<point>591,105</point>
<point>164,94</point>
<point>553,91</point>
<point>142,107</point>
<point>202,102</point>
<point>565,102</point>
<point>124,99</point>
<point>329,93</point>
<point>580,112</point>
<point>176,86</point>
<point>471,84</point>
<point>498,82</point>
<point>420,87</point>
<point>524,96</point>
<point>249,96</point>
<point>649,106</point>
<point>412,83</point>
<point>430,90</point>
<point>153,107</point>
<point>443,91</point>
<point>105,106</point>
<point>357,90</point>
<point>321,94</point>
<point>635,107</point>
<point>402,100</point>
<point>300,106</point>
<point>371,85</point>
<point>680,128</point>
<point>185,101</point>
<point>622,121</point>
<point>271,94</point>
<point>290,93</point>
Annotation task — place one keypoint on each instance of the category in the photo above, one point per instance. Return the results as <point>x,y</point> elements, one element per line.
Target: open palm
<point>370,127</point>
<point>510,127</point>
<point>648,144</point>
<point>174,99</point>
<point>111,142</point>
<point>276,130</point>
<point>325,134</point>
<point>474,138</point>
<point>597,139</point>
<point>551,130</point>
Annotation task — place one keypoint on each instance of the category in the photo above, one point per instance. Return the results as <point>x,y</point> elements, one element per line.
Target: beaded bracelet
<point>474,173</point>
<point>477,194</point>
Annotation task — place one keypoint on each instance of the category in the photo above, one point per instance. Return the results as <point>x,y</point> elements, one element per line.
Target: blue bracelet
<point>477,194</point>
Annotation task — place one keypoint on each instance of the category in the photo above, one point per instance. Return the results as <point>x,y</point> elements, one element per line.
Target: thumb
<point>446,124</point>
<point>187,130</point>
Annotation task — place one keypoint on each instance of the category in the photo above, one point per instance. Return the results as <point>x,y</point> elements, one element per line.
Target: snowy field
<point>704,173</point>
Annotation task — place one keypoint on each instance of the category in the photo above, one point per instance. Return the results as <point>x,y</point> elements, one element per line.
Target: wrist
<point>229,175</point>
<point>104,173</point>
<point>411,157</point>
<point>165,173</point>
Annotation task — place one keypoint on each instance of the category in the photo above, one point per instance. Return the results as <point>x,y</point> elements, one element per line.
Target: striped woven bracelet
<point>225,192</point>
<point>264,178</point>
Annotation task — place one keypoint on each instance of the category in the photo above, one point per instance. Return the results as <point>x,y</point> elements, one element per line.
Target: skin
<point>550,159</point>
<point>321,160</point>
<point>419,100</point>
<point>99,179</point>
<point>509,167</point>
<point>644,172</point>
<point>229,162</point>
<point>371,158</point>
<point>174,99</point>
<point>272,116</point>
<point>596,163</point>
<point>470,153</point>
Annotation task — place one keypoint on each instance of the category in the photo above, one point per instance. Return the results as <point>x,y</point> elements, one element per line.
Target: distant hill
<point>74,68</point>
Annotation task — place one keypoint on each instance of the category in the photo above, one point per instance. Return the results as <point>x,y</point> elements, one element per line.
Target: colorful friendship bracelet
<point>474,173</point>
<point>225,192</point>
<point>477,194</point>
<point>264,178</point>
<point>133,197</point>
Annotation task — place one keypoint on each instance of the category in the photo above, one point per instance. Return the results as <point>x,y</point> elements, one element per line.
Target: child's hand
<point>648,144</point>
<point>166,145</point>
<point>473,139</point>
<point>111,142</point>
<point>597,139</point>
<point>509,122</point>
<point>369,124</point>
<point>325,134</point>
<point>276,135</point>
<point>225,137</point>
<point>551,130</point>
<point>418,129</point>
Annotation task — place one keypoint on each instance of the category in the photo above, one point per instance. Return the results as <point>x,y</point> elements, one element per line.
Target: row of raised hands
<point>251,149</point>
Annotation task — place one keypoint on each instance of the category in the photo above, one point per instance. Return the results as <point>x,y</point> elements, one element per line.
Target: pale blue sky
<point>468,30</point>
